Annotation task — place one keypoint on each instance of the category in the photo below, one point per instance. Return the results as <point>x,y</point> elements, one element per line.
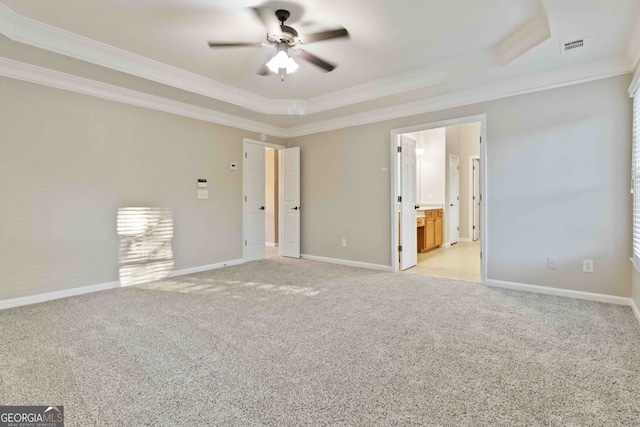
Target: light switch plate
<point>203,194</point>
<point>233,166</point>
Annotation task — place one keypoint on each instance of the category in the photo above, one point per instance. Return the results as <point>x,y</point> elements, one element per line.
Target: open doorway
<point>271,200</point>
<point>440,203</point>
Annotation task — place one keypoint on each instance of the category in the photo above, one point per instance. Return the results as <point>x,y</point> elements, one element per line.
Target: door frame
<point>246,141</point>
<point>393,168</point>
<point>470,201</point>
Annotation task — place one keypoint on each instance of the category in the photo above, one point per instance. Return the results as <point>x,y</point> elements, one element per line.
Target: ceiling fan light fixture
<point>282,61</point>
<point>291,66</point>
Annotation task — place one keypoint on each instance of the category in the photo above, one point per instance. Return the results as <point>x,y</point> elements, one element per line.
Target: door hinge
<point>399,149</point>
<point>245,156</point>
<point>480,140</point>
<point>245,243</point>
<point>245,198</point>
<point>458,228</point>
<point>400,248</point>
<point>474,227</point>
<point>480,255</point>
<point>480,197</point>
<point>399,198</point>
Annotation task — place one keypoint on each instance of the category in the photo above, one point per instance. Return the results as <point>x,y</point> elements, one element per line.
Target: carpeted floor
<point>296,342</point>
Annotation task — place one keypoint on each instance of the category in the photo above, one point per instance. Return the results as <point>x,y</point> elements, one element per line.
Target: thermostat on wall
<point>202,183</point>
<point>233,166</point>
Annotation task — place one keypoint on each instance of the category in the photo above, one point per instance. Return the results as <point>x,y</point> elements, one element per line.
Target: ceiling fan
<point>286,41</point>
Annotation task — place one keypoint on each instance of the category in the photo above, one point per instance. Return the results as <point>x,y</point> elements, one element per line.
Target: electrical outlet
<point>203,194</point>
<point>552,263</point>
<point>344,243</point>
<point>587,265</point>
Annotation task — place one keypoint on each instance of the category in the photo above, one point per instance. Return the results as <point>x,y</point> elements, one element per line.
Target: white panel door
<point>408,230</point>
<point>453,217</point>
<point>254,198</point>
<point>290,207</point>
<point>476,199</point>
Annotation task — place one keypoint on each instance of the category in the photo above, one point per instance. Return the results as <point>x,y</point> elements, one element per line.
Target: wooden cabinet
<point>430,230</point>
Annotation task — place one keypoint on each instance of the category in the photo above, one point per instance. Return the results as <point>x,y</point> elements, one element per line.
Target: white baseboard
<point>611,299</point>
<point>464,240</point>
<point>359,264</point>
<point>634,307</point>
<point>271,245</point>
<point>34,299</point>
<point>202,268</point>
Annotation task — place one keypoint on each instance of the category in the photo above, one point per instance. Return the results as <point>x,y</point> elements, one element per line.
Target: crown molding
<point>567,77</point>
<point>44,76</point>
<point>38,34</point>
<point>34,33</point>
<point>526,38</point>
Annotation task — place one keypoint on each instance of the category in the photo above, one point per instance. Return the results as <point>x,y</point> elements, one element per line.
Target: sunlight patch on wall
<point>145,244</point>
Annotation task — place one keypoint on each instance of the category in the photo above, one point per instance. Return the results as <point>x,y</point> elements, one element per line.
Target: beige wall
<point>271,195</point>
<point>558,168</point>
<point>558,179</point>
<point>69,161</point>
<point>431,166</point>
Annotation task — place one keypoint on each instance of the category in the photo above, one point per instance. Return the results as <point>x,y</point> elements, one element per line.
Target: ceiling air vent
<point>573,45</point>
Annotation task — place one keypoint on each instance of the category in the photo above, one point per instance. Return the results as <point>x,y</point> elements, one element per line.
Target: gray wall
<point>558,185</point>
<point>69,161</point>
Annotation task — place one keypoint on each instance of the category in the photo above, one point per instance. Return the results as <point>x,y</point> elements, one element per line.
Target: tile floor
<point>460,261</point>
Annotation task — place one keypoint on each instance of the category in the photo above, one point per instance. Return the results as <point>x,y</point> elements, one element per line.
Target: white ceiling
<point>399,52</point>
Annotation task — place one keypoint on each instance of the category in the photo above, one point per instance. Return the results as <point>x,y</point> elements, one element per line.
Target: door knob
<point>295,208</point>
<point>261,208</point>
<point>451,204</point>
<point>417,206</point>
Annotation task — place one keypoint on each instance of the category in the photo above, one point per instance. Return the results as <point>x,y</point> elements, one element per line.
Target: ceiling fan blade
<point>325,35</point>
<point>240,44</point>
<point>315,60</point>
<point>268,18</point>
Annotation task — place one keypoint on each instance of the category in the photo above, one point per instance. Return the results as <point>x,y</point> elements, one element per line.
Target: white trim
<point>635,310</point>
<point>482,118</point>
<point>464,240</point>
<point>44,36</point>
<point>35,299</point>
<point>590,296</point>
<point>264,143</point>
<point>208,267</point>
<point>566,77</point>
<point>53,39</point>
<point>44,76</point>
<point>49,296</point>
<point>358,264</point>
